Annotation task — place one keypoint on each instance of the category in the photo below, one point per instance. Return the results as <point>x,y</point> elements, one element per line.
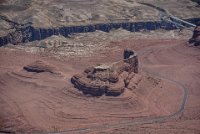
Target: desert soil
<point>48,102</point>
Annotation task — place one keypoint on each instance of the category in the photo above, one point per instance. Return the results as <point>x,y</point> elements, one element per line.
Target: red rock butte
<point>109,79</point>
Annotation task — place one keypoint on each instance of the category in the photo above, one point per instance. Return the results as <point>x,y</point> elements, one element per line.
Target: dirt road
<point>47,102</point>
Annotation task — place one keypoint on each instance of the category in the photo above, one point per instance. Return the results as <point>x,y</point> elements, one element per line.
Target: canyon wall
<point>24,34</point>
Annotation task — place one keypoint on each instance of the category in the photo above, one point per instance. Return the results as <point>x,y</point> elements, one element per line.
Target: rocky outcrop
<point>106,79</point>
<point>40,66</point>
<point>196,36</point>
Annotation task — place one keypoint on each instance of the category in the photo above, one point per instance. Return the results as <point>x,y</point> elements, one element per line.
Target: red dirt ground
<point>47,102</point>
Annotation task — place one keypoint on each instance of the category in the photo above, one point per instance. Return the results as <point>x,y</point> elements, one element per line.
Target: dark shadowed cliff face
<point>23,33</point>
<point>196,36</point>
<point>197,1</point>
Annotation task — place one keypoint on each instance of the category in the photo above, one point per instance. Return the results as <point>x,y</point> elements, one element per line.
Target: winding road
<point>145,120</point>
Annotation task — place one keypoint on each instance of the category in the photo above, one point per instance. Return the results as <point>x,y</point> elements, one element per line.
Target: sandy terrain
<point>47,102</point>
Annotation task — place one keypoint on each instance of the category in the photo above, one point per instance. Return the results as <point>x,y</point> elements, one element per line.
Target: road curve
<point>140,121</point>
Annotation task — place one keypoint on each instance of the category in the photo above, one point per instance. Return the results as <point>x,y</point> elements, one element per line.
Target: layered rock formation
<point>110,80</point>
<point>40,66</point>
<point>23,33</point>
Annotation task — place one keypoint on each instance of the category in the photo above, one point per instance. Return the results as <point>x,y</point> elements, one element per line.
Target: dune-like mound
<point>109,79</point>
<point>40,66</point>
